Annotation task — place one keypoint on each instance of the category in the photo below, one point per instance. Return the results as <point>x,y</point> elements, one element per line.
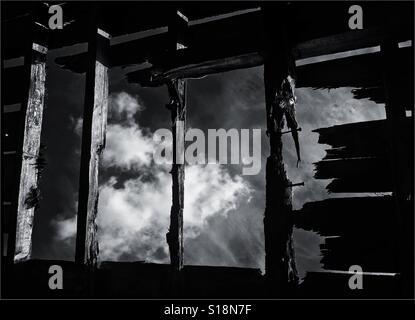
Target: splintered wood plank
<point>28,185</point>
<point>361,139</point>
<point>371,184</point>
<point>93,144</point>
<point>331,217</point>
<point>353,167</point>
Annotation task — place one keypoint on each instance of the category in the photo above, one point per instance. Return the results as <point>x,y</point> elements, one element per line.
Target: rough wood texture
<point>177,106</point>
<point>28,186</point>
<point>93,143</point>
<point>280,268</point>
<point>174,237</point>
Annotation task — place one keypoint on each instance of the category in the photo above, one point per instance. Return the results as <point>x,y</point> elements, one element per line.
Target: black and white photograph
<point>186,151</point>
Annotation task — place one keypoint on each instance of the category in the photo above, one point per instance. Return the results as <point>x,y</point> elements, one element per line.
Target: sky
<point>223,214</point>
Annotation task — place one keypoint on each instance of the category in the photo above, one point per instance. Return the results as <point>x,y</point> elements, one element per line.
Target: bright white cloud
<point>124,107</point>
<point>127,148</point>
<point>134,214</point>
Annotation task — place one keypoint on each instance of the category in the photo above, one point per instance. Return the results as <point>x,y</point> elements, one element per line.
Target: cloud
<point>221,226</point>
<point>66,228</point>
<point>127,148</point>
<point>134,213</point>
<point>123,107</point>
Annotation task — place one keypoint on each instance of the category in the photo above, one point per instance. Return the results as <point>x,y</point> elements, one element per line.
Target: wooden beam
<point>279,80</point>
<point>377,94</point>
<point>332,284</point>
<point>355,71</point>
<point>402,161</point>
<point>372,184</point>
<point>369,251</point>
<point>331,217</point>
<point>361,139</point>
<point>27,147</point>
<point>356,167</point>
<point>396,121</point>
<point>308,22</point>
<point>177,107</point>
<point>243,35</point>
<point>93,143</point>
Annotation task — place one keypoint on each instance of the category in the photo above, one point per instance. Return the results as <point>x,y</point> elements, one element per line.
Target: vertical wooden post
<point>177,106</point>
<point>279,82</point>
<point>93,143</point>
<point>400,159</point>
<point>26,199</point>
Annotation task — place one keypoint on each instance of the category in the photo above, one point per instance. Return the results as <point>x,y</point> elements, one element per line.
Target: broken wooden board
<point>338,216</point>
<point>361,168</point>
<point>360,139</point>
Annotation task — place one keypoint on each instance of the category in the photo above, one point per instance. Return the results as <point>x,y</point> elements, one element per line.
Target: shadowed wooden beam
<point>244,33</point>
<point>353,167</point>
<point>280,268</point>
<point>377,94</point>
<point>369,184</point>
<point>354,71</point>
<point>73,31</point>
<point>177,106</point>
<point>369,252</point>
<point>177,91</point>
<point>93,144</point>
<point>331,217</point>
<point>401,155</point>
<point>308,22</point>
<point>25,197</point>
<point>123,54</point>
<point>360,139</point>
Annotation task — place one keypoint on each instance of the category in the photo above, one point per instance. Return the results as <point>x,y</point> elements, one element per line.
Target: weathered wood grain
<point>280,267</point>
<point>177,106</point>
<point>93,144</point>
<point>28,186</point>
